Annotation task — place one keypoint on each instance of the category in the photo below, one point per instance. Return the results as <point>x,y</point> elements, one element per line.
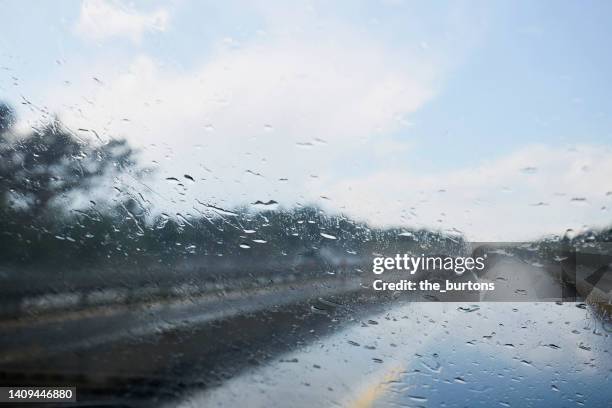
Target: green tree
<point>44,165</point>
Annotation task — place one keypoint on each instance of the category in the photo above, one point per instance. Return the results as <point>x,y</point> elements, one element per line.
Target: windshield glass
<point>273,204</point>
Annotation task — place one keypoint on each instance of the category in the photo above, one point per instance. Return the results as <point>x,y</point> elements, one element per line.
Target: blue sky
<point>405,98</point>
<point>540,75</point>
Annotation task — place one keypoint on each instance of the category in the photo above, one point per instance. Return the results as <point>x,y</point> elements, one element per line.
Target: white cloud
<point>535,191</point>
<point>102,19</point>
<point>319,113</point>
<point>285,108</point>
<point>317,108</point>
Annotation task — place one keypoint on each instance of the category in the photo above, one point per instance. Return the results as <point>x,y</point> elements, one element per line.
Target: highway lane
<point>438,354</point>
<point>185,347</point>
<point>322,346</point>
<point>46,335</point>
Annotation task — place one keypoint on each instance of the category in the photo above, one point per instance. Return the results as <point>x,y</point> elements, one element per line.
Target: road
<point>320,345</point>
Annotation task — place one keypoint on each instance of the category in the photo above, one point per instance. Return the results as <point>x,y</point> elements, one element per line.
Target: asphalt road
<point>321,345</point>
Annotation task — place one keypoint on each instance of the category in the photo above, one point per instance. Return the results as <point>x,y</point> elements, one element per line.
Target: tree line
<point>43,171</point>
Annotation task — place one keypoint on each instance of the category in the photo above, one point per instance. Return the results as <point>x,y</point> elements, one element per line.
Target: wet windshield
<point>271,204</point>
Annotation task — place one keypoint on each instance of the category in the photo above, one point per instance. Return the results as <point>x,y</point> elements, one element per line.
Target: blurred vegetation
<point>43,172</point>
<point>54,236</point>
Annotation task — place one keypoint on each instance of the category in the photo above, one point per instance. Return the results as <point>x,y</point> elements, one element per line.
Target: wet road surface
<point>322,347</point>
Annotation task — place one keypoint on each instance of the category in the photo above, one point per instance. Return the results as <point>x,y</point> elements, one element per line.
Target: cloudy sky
<point>491,118</point>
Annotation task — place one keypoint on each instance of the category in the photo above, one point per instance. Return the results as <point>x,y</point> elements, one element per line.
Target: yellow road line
<point>373,392</point>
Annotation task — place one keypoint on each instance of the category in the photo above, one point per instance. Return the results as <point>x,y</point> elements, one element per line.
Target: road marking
<point>367,397</point>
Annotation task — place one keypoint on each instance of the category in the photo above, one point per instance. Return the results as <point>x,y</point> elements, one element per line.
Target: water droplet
<point>529,170</point>
<point>267,205</point>
<point>292,360</point>
<point>218,210</point>
<point>552,346</point>
<point>579,200</point>
<point>581,305</point>
<point>433,366</point>
<point>468,309</point>
<point>304,145</point>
